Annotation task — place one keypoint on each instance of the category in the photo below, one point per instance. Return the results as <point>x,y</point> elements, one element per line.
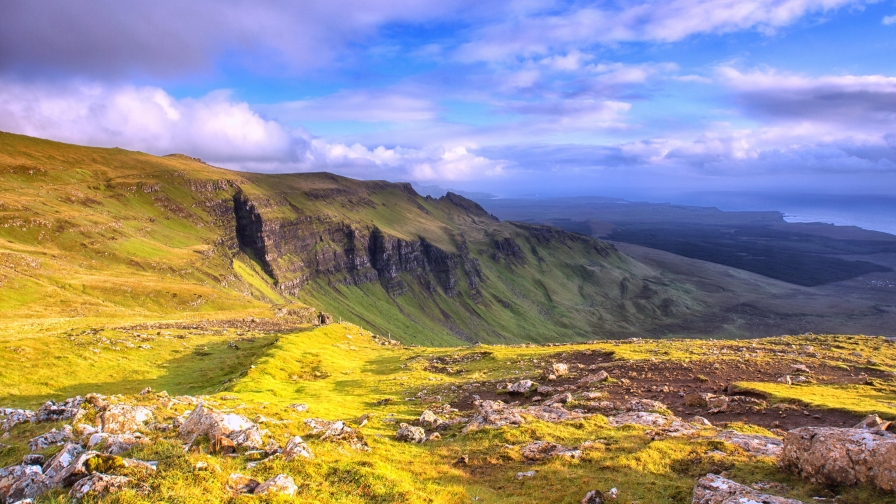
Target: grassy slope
<point>341,372</point>
<point>105,232</point>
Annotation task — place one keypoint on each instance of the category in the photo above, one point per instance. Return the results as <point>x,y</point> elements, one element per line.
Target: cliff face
<point>294,251</point>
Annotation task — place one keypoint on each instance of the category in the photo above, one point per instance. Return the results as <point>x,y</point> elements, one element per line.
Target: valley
<point>177,332</point>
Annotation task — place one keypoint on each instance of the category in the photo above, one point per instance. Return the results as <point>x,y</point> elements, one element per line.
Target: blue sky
<point>626,97</point>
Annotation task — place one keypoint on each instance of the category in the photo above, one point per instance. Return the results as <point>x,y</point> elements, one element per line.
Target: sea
<point>873,212</point>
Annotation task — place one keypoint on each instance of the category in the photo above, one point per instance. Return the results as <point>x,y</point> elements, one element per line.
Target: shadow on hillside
<point>205,369</point>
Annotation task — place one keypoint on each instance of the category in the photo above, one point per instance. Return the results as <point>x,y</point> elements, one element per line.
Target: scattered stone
<point>272,447</point>
<point>540,450</point>
<point>799,369</point>
<point>435,436</point>
<point>714,489</point>
<point>296,447</point>
<point>522,387</point>
<point>201,466</point>
<point>612,493</point>
<point>238,484</point>
<point>491,414</point>
<point>223,445</point>
<point>430,420</point>
<point>645,405</point>
<point>124,418</point>
<point>559,369</point>
<point>551,413</point>
<point>462,460</point>
<point>9,417</point>
<point>280,484</point>
<point>832,456</point>
<point>593,497</point>
<point>301,407</point>
<point>699,421</point>
<point>362,420</point>
<point>146,391</point>
<point>527,474</point>
<point>98,484</point>
<point>54,412</point>
<point>754,444</point>
<point>337,431</point>
<point>593,379</point>
<point>544,389</point>
<point>872,422</point>
<point>53,438</point>
<point>665,425</point>
<point>410,434</point>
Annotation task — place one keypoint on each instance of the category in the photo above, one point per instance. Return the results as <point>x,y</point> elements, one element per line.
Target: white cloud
<point>218,129</point>
<point>889,20</point>
<point>141,118</point>
<point>360,105</point>
<point>853,104</point>
<point>666,21</point>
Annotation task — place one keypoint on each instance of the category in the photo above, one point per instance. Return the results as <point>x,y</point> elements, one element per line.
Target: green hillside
<point>90,232</point>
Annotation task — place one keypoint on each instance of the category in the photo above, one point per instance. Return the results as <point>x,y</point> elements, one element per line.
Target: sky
<point>626,98</point>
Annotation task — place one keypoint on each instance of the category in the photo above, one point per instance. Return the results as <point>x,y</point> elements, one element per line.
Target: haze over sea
<point>874,212</point>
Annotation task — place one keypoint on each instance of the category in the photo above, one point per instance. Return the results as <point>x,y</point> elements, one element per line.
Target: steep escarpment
<point>302,247</point>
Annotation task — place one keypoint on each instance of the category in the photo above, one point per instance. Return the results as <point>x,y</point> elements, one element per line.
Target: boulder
<point>238,484</point>
<point>120,443</point>
<point>204,421</point>
<point>522,387</point>
<point>754,444</point>
<point>429,419</point>
<point>62,459</point>
<point>873,422</point>
<point>410,434</point>
<point>526,474</point>
<point>295,448</point>
<point>98,484</point>
<point>645,405</point>
<point>21,482</point>
<point>280,484</point>
<point>54,412</point>
<point>250,437</point>
<point>124,418</point>
<point>714,489</point>
<point>832,456</point>
<point>10,417</point>
<point>540,450</point>
<point>593,379</point>
<point>53,438</point>
<point>697,399</point>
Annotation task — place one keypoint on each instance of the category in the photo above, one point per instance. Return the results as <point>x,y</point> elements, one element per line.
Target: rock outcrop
<point>833,456</point>
<point>714,489</point>
<point>294,251</point>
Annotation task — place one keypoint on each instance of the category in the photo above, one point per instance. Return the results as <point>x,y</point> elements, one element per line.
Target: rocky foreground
<point>95,435</point>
